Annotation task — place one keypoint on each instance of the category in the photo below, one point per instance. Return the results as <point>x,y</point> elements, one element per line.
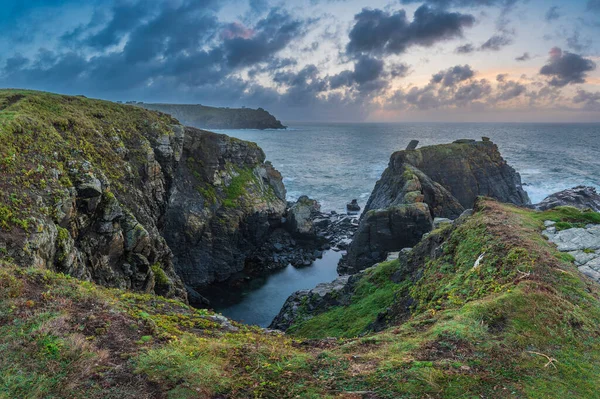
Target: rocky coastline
<point>205,117</point>
<point>113,219</point>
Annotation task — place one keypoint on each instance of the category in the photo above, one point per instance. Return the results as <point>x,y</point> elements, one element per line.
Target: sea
<point>337,162</point>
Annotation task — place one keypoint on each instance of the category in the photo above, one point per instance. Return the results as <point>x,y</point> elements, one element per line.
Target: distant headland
<point>205,117</point>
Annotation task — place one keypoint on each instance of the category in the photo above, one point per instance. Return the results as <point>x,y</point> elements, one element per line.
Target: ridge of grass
<point>523,324</point>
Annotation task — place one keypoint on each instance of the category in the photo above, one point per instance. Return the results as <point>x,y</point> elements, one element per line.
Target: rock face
<point>120,195</point>
<point>300,217</point>
<point>224,203</point>
<point>205,117</point>
<point>581,197</point>
<point>382,230</point>
<point>422,184</point>
<point>95,204</point>
<point>307,303</point>
<point>581,243</point>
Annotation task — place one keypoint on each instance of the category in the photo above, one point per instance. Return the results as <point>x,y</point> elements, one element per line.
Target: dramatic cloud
<point>301,63</point>
<point>400,71</point>
<point>566,68</point>
<point>366,75</point>
<point>272,34</point>
<point>496,42</point>
<point>381,32</point>
<point>451,76</point>
<point>552,14</point>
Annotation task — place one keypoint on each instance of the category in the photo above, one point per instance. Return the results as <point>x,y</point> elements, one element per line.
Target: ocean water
<point>335,163</point>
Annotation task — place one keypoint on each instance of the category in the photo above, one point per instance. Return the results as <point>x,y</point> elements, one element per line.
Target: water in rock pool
<point>335,163</point>
<point>259,301</point>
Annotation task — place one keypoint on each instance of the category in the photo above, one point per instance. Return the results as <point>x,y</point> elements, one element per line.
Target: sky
<point>317,60</point>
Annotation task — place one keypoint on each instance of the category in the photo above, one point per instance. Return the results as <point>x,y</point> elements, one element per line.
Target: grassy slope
<point>41,134</point>
<point>488,332</point>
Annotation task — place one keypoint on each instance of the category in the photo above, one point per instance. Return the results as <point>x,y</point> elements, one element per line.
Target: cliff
<point>483,307</point>
<point>205,117</point>
<point>419,185</point>
<point>92,189</point>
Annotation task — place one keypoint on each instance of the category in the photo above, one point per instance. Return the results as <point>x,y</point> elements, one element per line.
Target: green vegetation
<point>521,322</point>
<point>236,189</point>
<point>496,313</point>
<point>45,139</point>
<point>159,274</point>
<point>374,293</point>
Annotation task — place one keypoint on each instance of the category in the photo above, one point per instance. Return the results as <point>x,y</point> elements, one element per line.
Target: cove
<point>259,301</point>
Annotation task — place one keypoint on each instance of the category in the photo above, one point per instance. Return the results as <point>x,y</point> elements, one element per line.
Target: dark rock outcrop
<point>224,204</point>
<point>581,197</point>
<point>422,184</point>
<point>123,196</point>
<point>466,169</point>
<point>308,303</point>
<point>382,230</point>
<point>352,207</point>
<point>205,117</point>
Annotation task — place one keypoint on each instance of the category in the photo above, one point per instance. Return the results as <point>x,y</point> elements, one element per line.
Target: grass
<point>374,293</point>
<point>45,138</point>
<point>522,324</point>
<point>485,331</point>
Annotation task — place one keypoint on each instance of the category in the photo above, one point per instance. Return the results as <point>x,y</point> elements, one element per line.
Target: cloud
<point>590,100</point>
<point>465,49</point>
<point>566,68</point>
<point>496,42</point>
<point>366,75</point>
<point>451,76</point>
<point>400,70</point>
<point>593,5</point>
<point>577,43</point>
<point>508,89</point>
<point>464,3</point>
<point>367,69</point>
<point>272,34</point>
<point>524,57</point>
<point>552,14</point>
<point>380,32</point>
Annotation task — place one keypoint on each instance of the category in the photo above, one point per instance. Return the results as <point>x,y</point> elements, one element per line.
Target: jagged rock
<point>412,145</point>
<point>224,204</point>
<point>446,179</point>
<point>352,207</point>
<point>307,303</point>
<point>581,243</point>
<point>465,169</point>
<point>300,216</point>
<point>581,197</point>
<point>386,230</point>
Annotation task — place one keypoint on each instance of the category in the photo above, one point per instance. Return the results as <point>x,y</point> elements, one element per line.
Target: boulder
<point>412,145</point>
<point>301,216</point>
<point>386,230</point>
<point>581,243</point>
<point>581,197</point>
<point>352,207</point>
